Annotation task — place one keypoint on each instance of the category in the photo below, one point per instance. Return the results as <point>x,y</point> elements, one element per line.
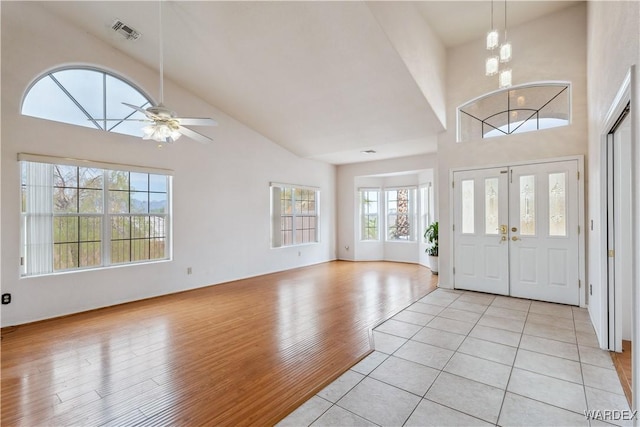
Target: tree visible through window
<point>76,217</point>
<point>369,218</point>
<point>400,214</point>
<point>86,97</point>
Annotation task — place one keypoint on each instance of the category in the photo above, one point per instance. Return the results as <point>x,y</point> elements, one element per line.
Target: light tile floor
<point>458,358</point>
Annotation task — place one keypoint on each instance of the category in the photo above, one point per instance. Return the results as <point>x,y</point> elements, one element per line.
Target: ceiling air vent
<point>122,28</point>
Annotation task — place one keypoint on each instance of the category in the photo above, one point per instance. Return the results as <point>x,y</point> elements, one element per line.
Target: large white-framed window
<point>80,214</point>
<point>294,215</point>
<point>369,214</point>
<point>87,97</point>
<point>400,206</point>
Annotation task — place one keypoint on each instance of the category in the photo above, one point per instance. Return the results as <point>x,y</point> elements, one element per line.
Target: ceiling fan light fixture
<point>161,132</point>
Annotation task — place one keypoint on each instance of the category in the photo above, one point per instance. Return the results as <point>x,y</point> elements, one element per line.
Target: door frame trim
<point>610,321</point>
<point>581,212</point>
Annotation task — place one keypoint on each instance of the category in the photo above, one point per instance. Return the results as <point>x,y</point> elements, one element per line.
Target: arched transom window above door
<point>523,108</point>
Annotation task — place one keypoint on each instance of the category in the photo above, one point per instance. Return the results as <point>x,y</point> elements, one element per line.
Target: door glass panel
<point>557,204</point>
<point>527,205</point>
<point>491,206</point>
<point>468,207</point>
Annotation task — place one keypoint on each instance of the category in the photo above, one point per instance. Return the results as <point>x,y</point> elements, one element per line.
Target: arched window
<point>86,97</point>
<point>523,108</point>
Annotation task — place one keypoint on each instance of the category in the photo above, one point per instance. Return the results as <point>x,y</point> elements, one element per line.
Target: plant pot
<point>433,264</point>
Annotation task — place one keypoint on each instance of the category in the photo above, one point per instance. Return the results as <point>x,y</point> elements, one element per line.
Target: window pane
<point>65,200</point>
<point>369,218</point>
<point>65,229</point>
<point>90,229</point>
<point>65,256</point>
<point>468,207</point>
<point>139,250</point>
<point>158,203</point>
<point>157,248</point>
<point>90,254</point>
<point>65,176</point>
<point>158,183</point>
<point>118,180</point>
<point>90,178</point>
<point>491,205</point>
<point>86,87</point>
<point>527,205</point>
<point>157,226</point>
<point>139,227</point>
<point>557,204</point>
<point>139,202</point>
<point>120,227</point>
<point>120,251</point>
<point>90,201</point>
<point>138,181</point>
<point>47,101</point>
<point>117,92</point>
<point>118,202</point>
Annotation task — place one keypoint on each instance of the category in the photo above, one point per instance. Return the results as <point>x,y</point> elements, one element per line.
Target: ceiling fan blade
<point>196,136</point>
<point>196,121</point>
<point>125,120</point>
<point>142,110</point>
<point>135,107</point>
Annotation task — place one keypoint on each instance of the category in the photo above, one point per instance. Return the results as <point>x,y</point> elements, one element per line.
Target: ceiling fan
<point>165,125</point>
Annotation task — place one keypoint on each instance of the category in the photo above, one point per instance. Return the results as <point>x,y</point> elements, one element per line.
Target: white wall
<point>550,48</point>
<point>385,173</point>
<point>221,221</point>
<point>420,49</point>
<point>613,46</point>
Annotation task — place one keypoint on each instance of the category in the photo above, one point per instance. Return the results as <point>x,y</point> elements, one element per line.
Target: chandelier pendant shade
<point>491,66</point>
<point>505,52</point>
<point>504,79</point>
<point>493,39</point>
<point>494,61</point>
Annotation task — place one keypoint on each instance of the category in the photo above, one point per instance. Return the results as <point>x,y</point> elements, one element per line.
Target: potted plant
<point>431,234</point>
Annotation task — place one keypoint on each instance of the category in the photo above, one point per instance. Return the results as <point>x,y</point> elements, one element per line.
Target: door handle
<point>503,239</point>
<point>514,238</point>
<point>503,229</point>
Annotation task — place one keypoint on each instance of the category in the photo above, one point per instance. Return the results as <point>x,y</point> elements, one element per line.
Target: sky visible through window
<point>88,98</point>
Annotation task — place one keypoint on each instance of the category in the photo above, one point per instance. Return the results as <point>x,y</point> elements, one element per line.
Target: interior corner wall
<point>549,48</point>
<point>348,182</point>
<point>613,47</point>
<point>221,202</point>
<point>419,48</point>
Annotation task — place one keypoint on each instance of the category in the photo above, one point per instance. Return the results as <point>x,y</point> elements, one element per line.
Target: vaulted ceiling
<point>325,80</point>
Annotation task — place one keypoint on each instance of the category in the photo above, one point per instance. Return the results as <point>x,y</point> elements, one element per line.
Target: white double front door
<point>516,231</point>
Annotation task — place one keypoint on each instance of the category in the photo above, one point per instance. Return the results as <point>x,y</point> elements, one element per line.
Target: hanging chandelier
<point>496,62</point>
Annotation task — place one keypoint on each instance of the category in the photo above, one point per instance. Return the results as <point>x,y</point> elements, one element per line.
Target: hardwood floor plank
<point>241,353</point>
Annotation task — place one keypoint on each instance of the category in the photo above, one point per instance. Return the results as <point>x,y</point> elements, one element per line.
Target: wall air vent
<point>126,31</point>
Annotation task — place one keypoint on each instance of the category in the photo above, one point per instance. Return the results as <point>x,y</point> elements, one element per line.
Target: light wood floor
<point>622,362</point>
<point>242,353</point>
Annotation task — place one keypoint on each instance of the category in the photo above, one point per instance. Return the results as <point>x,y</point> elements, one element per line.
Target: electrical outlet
<point>6,298</point>
<point>189,270</point>
<point>299,253</point>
